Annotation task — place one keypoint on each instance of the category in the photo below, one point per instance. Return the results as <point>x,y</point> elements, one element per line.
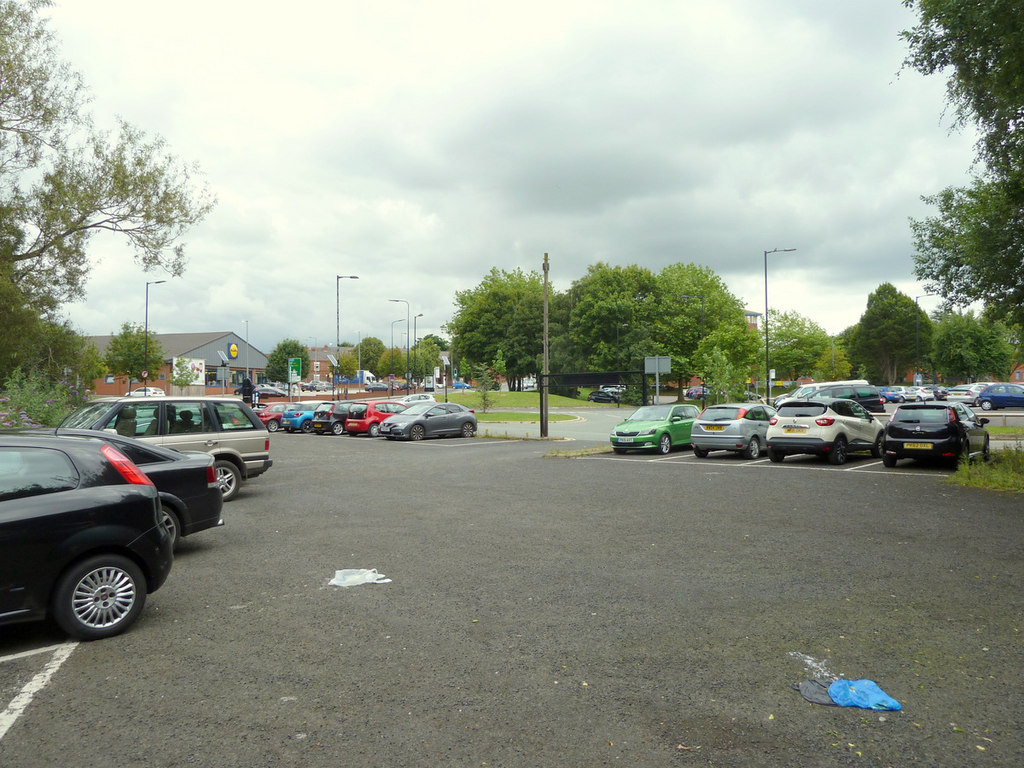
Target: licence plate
<point>318,425</point>
<point>794,430</point>
<point>917,446</point>
<point>624,439</point>
<point>714,428</point>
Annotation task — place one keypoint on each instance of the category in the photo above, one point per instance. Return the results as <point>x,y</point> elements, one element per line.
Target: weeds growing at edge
<point>1004,473</point>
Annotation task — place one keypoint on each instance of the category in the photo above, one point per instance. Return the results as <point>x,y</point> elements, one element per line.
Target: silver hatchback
<point>736,427</point>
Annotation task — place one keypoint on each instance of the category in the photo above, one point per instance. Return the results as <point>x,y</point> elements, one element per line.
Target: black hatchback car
<point>81,538</point>
<point>933,430</point>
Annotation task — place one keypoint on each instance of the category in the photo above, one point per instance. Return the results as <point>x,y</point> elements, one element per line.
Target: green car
<point>655,427</point>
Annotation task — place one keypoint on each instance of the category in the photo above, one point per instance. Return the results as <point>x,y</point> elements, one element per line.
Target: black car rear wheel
<point>307,427</point>
<point>99,597</point>
<point>170,521</point>
<point>889,460</point>
<point>337,428</point>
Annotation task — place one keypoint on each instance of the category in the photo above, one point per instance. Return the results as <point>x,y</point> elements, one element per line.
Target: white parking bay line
<point>20,702</point>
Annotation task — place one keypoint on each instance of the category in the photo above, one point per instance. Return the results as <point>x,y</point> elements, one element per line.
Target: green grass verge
<point>506,416</point>
<point>1004,473</point>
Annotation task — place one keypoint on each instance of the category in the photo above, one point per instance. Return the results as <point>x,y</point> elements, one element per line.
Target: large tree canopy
<point>973,249</point>
<point>61,181</point>
<point>890,332</point>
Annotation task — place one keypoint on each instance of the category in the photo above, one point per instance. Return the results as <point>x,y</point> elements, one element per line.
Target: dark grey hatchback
<point>81,538</point>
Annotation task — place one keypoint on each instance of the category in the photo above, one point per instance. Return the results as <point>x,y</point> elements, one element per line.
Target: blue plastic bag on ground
<point>861,693</point>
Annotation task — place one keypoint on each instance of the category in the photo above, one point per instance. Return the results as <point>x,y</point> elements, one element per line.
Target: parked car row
<point>830,427</point>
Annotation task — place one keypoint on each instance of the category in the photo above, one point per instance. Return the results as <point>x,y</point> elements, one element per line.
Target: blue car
<point>893,394</point>
<point>1001,396</point>
<point>300,418</point>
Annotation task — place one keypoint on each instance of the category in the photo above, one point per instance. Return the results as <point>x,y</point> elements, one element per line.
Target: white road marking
<point>20,702</point>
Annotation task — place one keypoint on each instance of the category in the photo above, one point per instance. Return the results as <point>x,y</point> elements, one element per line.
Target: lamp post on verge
<point>767,368</point>
<point>403,301</point>
<point>337,326</point>
<point>703,382</point>
<point>917,339</point>
<point>415,339</point>
<point>145,343</point>
<point>391,358</point>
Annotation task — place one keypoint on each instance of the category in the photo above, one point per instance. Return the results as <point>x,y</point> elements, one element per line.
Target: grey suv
<point>223,426</point>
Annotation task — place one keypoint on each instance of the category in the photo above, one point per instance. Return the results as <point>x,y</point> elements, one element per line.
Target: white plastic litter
<point>353,577</point>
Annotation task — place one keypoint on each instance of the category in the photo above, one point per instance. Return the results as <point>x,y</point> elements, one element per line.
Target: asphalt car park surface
<point>551,611</point>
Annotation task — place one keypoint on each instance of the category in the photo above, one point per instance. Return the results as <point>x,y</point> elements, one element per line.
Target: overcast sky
<point>419,144</point>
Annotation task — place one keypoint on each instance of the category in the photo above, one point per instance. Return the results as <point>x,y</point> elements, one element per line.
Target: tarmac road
<point>647,611</point>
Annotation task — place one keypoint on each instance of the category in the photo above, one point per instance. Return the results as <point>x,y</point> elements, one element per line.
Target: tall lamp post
<point>767,368</point>
<point>917,339</point>
<point>703,382</point>
<point>415,339</point>
<point>403,301</point>
<point>337,322</point>
<point>247,375</point>
<point>145,343</point>
<point>391,357</point>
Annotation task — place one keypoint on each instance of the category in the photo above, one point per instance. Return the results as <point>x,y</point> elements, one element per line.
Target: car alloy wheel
<point>273,425</point>
<point>99,597</point>
<point>838,453</point>
<point>228,478</point>
<point>337,428</point>
<point>467,429</point>
<point>170,521</point>
<point>986,405</point>
<point>307,427</point>
<point>373,430</point>
<point>417,432</point>
<point>753,450</point>
<point>664,444</point>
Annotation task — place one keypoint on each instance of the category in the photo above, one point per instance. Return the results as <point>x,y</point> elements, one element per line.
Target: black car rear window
<point>921,415</point>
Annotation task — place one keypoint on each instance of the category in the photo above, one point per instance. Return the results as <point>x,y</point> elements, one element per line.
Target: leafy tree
<point>368,352</point>
<point>182,374</point>
<point>347,366</point>
<point>56,193</point>
<point>391,363</point>
<point>889,334</point>
<point>696,303</point>
<point>277,360</point>
<point>833,365</point>
<point>425,357</point>
<point>726,357</point>
<point>970,250</point>
<point>504,312</point>
<point>129,355</point>
<point>439,341</point>
<point>965,347</point>
<point>612,312</point>
<point>795,343</point>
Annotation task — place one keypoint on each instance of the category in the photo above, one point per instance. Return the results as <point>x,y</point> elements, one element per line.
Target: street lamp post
<point>703,381</point>
<point>337,325</point>
<point>767,368</point>
<point>391,358</point>
<point>917,339</point>
<point>415,338</point>
<point>145,343</point>
<point>403,301</point>
<point>247,375</point>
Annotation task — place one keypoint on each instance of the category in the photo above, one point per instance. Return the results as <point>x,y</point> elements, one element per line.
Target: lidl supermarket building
<point>220,361</point>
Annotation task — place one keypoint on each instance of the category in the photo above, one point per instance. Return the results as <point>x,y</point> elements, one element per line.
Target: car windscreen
<point>651,413</point>
<point>791,409</point>
<point>86,416</point>
<point>721,413</point>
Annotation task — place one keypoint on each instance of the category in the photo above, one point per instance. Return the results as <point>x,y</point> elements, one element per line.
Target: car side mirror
<point>983,421</point>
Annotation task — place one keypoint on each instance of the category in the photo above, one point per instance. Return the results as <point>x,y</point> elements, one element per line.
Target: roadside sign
<point>294,369</point>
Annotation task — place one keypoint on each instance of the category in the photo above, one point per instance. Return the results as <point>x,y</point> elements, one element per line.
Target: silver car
<point>737,427</point>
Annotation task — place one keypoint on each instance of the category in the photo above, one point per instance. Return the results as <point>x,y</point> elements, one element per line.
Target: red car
<point>271,415</point>
<point>366,417</point>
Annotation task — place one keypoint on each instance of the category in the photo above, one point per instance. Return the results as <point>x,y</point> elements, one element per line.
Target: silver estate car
<point>737,427</point>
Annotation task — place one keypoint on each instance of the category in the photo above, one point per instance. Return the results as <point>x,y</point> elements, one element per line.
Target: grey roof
<point>198,345</point>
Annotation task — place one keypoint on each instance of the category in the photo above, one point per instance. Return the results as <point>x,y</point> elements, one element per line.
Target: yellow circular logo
<point>233,351</point>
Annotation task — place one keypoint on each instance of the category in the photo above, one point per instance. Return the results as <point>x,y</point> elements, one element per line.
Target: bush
<point>30,400</point>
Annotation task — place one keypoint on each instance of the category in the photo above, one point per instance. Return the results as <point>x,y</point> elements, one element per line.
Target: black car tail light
<point>125,466</point>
